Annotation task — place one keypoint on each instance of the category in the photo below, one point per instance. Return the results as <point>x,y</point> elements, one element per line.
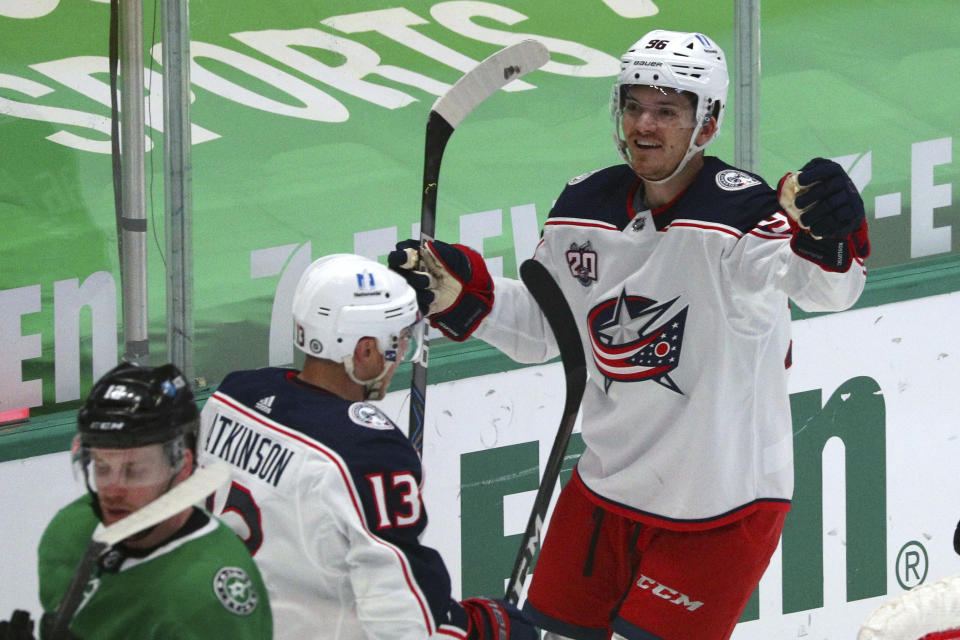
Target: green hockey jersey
<point>200,584</point>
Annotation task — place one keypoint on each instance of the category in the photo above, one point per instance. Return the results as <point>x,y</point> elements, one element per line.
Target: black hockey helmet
<point>133,406</point>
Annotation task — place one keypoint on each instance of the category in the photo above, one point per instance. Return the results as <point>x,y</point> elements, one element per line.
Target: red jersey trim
<point>949,634</point>
<point>348,482</point>
<point>579,222</point>
<point>659,210</point>
<point>631,197</point>
<point>674,524</point>
<point>770,236</point>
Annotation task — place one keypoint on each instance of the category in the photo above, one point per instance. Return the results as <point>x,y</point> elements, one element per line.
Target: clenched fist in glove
<point>496,620</point>
<point>454,289</point>
<point>20,627</point>
<point>823,202</point>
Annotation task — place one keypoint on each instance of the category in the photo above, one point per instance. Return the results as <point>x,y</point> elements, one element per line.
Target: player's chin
<point>649,170</point>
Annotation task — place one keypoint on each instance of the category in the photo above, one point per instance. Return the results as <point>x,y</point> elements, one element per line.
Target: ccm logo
<point>665,592</point>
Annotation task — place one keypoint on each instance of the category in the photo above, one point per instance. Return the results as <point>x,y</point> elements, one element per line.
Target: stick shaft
<point>74,594</point>
<point>447,113</point>
<point>554,306</point>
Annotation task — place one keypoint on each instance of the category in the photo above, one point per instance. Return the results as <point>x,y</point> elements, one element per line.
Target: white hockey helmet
<point>342,298</point>
<point>680,61</point>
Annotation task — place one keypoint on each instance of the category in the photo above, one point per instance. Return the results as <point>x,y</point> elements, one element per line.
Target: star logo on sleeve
<point>234,589</point>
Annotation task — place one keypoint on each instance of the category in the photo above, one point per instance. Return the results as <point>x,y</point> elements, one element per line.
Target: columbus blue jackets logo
<point>636,339</point>
<point>733,180</point>
<point>582,260</point>
<point>367,415</point>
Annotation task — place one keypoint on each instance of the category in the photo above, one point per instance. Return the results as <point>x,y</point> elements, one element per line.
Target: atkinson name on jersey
<point>241,446</point>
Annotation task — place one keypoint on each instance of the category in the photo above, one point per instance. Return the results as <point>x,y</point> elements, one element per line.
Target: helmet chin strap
<point>623,147</point>
<point>373,388</point>
<point>692,150</point>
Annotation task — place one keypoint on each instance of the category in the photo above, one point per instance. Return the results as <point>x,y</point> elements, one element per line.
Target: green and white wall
<point>308,124</point>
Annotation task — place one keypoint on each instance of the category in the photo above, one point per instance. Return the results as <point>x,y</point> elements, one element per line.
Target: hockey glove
<point>20,627</point>
<point>454,289</point>
<point>827,214</point>
<point>496,620</point>
<point>822,199</point>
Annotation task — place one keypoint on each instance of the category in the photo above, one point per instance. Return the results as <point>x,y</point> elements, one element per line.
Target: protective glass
<point>125,468</point>
<point>661,114</point>
<point>408,344</point>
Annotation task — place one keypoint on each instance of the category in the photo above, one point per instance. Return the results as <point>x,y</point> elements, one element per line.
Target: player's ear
<point>365,350</point>
<point>707,131</point>
<point>187,468</point>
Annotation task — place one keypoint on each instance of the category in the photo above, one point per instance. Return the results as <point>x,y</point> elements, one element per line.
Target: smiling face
<point>657,126</point>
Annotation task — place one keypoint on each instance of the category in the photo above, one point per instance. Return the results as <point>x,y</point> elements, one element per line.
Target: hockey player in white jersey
<point>326,489</point>
<point>679,269</point>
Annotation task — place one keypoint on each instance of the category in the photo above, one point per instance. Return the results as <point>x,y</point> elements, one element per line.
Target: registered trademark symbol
<point>912,565</point>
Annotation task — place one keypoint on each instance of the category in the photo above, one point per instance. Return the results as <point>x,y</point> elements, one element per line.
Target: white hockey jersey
<point>685,322</point>
<point>326,495</point>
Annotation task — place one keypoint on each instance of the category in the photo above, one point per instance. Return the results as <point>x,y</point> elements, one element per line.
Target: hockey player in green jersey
<point>186,577</point>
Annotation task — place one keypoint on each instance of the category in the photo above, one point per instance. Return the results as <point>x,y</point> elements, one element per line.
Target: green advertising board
<point>308,121</point>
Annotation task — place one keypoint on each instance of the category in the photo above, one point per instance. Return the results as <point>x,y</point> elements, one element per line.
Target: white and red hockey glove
<point>496,620</point>
<point>826,213</point>
<point>929,611</point>
<point>454,289</point>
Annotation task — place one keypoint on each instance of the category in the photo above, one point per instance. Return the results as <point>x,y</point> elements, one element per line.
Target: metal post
<point>133,219</point>
<point>747,92</point>
<point>178,183</point>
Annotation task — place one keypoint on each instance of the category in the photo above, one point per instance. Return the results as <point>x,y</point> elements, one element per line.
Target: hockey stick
<point>194,489</point>
<point>554,306</point>
<point>447,112</point>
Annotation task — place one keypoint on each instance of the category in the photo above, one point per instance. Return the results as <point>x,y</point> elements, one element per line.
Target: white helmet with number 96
<point>688,62</point>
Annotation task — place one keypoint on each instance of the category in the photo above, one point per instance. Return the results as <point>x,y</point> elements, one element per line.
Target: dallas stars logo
<point>635,339</point>
<point>234,589</point>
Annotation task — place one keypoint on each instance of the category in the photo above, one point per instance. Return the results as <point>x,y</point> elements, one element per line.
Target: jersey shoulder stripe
<point>722,195</point>
<point>602,196</point>
<point>580,222</point>
<point>358,431</point>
